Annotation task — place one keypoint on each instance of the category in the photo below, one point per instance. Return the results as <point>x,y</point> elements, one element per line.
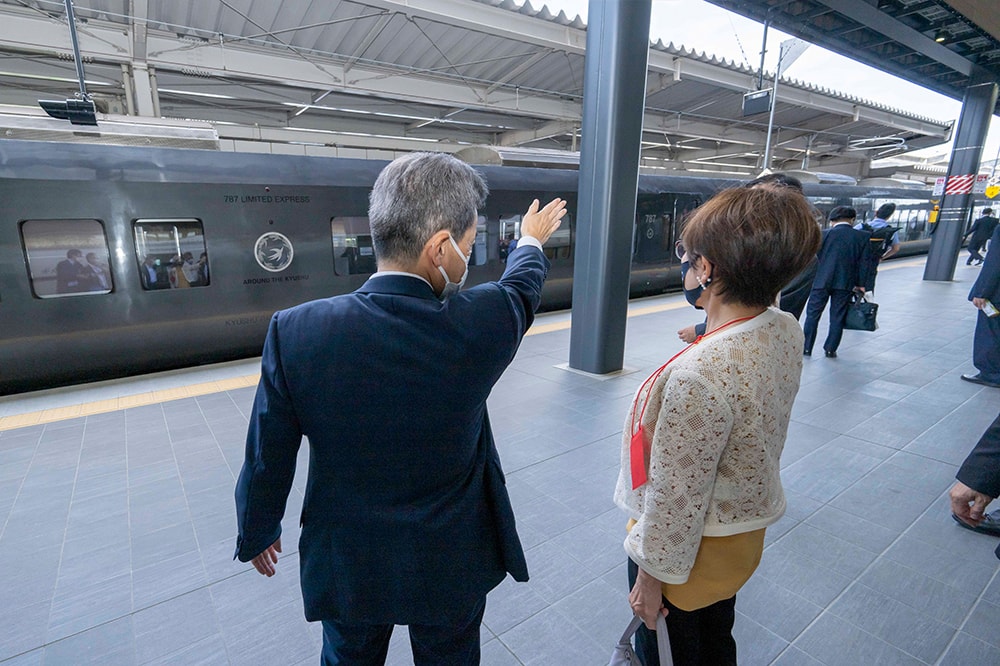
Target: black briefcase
<point>861,314</point>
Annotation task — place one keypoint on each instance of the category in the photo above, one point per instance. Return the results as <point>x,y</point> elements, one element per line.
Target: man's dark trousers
<point>839,300</point>
<point>986,347</point>
<point>432,645</point>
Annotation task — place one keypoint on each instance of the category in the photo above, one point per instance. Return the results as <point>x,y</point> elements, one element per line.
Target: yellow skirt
<point>723,565</point>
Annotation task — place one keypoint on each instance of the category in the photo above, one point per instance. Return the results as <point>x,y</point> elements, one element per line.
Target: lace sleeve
<point>690,432</point>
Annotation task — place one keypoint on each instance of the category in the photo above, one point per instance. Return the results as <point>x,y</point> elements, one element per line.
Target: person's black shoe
<point>969,262</point>
<point>807,352</point>
<point>979,262</point>
<point>990,524</point>
<point>830,354</point>
<point>979,379</point>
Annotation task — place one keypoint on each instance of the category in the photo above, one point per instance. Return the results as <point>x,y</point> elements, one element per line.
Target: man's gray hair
<point>417,196</point>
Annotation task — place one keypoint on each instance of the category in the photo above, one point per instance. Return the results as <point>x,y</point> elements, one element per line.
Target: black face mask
<point>692,295</point>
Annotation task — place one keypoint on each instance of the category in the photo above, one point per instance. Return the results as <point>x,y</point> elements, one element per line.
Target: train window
<point>171,254</point>
<point>353,252</point>
<point>510,231</point>
<point>67,257</point>
<point>478,257</point>
<point>559,246</point>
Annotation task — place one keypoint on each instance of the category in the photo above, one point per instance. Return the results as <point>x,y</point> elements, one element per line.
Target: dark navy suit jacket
<point>987,285</point>
<point>843,259</point>
<point>406,517</point>
<point>982,229</point>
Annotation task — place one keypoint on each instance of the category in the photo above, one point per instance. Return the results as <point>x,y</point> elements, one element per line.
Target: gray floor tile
<point>549,638</point>
<point>170,628</point>
<point>839,555</point>
<point>598,609</point>
<point>918,591</point>
<point>836,642</point>
<point>853,529</point>
<point>777,609</point>
<point>792,656</point>
<point>965,574</point>
<point>983,623</point>
<point>755,645</point>
<point>511,603</point>
<point>908,629</point>
<point>967,650</point>
<point>106,644</point>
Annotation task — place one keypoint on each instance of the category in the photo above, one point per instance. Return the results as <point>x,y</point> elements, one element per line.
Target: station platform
<point>117,522</point>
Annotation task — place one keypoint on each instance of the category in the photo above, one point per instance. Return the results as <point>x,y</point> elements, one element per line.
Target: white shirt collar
<point>413,275</point>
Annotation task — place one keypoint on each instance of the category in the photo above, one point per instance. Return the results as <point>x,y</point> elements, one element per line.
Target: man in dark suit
<point>842,267</point>
<point>986,343</point>
<point>981,231</point>
<point>978,484</point>
<point>406,518</point>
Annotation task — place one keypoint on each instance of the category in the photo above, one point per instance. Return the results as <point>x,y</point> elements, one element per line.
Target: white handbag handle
<point>662,637</point>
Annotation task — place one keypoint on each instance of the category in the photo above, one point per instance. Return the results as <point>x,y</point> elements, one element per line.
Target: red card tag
<point>637,458</point>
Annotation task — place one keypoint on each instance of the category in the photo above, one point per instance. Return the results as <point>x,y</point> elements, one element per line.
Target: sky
<point>699,25</point>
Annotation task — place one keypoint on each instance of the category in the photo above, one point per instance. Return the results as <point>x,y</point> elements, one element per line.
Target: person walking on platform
<point>843,267</point>
<point>981,231</point>
<point>406,518</point>
<point>884,239</point>
<point>978,484</point>
<point>985,294</point>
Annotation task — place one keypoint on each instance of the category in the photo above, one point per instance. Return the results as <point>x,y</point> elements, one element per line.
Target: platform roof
<point>395,75</point>
<point>944,45</point>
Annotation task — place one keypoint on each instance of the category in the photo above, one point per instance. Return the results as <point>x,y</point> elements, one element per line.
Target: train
<point>123,260</point>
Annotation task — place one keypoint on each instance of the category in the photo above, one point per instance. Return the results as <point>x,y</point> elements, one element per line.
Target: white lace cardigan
<point>716,423</point>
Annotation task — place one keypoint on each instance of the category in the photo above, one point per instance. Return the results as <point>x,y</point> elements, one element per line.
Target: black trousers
<point>839,300</point>
<point>975,245</point>
<point>986,347</point>
<point>432,645</point>
<point>697,638</point>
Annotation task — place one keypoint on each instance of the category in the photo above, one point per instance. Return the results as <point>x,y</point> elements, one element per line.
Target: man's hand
<point>979,302</point>
<point>541,223</point>
<point>969,505</point>
<point>646,599</point>
<point>264,563</point>
<point>687,334</point>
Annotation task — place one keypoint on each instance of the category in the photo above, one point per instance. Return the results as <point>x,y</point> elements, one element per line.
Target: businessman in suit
<point>843,266</point>
<point>978,484</point>
<point>986,343</point>
<point>406,518</point>
<point>981,231</point>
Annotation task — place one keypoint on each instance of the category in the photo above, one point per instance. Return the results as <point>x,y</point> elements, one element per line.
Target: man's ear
<point>434,248</point>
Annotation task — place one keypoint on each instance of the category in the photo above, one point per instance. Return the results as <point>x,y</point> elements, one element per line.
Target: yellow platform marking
<point>125,402</point>
<point>206,388</point>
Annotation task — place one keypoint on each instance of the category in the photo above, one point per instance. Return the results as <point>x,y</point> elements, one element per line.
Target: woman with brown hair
<point>703,438</point>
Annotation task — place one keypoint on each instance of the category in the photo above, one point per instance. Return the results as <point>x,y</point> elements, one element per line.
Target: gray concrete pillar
<point>614,95</point>
<point>973,124</point>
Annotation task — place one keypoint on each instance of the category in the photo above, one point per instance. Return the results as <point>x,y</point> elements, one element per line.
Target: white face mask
<point>451,288</point>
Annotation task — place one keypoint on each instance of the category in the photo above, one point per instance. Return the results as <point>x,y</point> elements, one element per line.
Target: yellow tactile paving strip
<point>205,388</point>
<point>125,402</point>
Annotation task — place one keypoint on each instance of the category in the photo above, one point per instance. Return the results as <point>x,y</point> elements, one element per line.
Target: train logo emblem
<point>273,252</point>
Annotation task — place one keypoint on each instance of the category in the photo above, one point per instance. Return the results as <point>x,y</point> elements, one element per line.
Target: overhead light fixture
<point>941,36</point>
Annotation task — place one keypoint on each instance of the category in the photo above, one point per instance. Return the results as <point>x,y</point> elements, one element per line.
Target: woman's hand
<point>646,599</point>
<point>687,334</point>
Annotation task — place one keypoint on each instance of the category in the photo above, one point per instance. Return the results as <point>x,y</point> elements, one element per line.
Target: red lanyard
<point>639,448</point>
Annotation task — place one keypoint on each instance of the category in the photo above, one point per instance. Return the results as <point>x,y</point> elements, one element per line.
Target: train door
<point>684,205</point>
<point>653,238</point>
